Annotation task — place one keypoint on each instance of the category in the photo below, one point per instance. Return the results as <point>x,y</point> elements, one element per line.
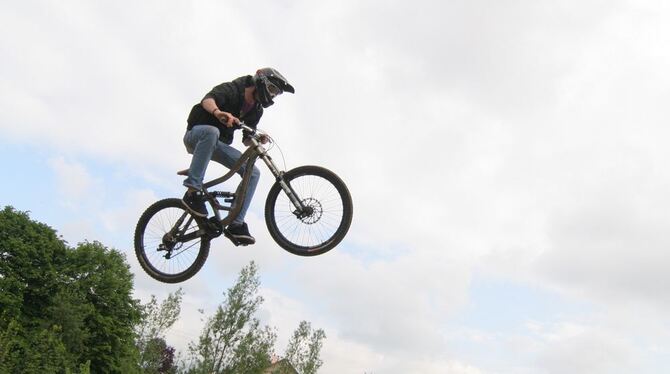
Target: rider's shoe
<point>239,234</point>
<point>194,201</point>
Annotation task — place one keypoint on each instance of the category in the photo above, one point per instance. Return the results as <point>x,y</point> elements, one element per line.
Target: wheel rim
<point>163,252</point>
<point>324,216</point>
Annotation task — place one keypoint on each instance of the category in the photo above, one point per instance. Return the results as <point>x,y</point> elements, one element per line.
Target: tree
<point>155,355</point>
<point>61,307</point>
<point>70,310</point>
<point>30,255</point>
<point>304,348</point>
<point>158,357</point>
<point>101,285</point>
<point>232,340</point>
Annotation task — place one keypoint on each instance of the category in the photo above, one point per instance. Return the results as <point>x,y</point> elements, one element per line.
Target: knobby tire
<point>154,223</point>
<point>321,189</point>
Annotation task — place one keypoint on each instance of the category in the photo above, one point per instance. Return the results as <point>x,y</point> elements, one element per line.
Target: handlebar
<point>243,126</point>
<point>254,133</point>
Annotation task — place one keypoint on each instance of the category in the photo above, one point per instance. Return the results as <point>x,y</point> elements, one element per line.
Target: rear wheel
<point>169,242</point>
<point>326,218</point>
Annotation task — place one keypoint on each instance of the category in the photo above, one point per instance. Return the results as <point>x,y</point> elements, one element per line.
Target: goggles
<point>272,88</point>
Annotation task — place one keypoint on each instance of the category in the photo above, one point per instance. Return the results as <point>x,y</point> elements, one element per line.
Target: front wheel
<point>169,242</point>
<point>325,220</point>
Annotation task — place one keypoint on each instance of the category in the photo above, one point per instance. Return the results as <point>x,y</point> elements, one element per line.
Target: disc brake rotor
<point>313,210</point>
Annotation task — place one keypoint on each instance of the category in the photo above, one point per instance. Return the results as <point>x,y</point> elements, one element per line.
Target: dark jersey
<point>229,97</point>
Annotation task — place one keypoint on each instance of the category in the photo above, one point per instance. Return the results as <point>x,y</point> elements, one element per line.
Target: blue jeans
<point>202,141</point>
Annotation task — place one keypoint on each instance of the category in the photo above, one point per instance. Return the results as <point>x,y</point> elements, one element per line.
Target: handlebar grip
<point>244,127</point>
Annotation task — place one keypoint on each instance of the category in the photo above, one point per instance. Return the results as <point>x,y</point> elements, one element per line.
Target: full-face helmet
<point>270,83</point>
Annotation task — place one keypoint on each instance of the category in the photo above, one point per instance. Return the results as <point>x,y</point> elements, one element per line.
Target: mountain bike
<point>308,212</point>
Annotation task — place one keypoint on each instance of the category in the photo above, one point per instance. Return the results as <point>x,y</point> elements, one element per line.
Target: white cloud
<point>392,305</point>
<point>346,354</point>
<point>522,140</point>
<point>73,180</point>
<point>579,349</point>
<point>123,218</point>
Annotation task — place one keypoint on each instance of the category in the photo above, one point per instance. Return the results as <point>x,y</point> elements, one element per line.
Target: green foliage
<point>70,310</point>
<point>62,307</point>
<point>232,340</point>
<point>31,351</point>
<point>304,348</point>
<point>155,355</point>
<point>107,313</point>
<point>30,254</point>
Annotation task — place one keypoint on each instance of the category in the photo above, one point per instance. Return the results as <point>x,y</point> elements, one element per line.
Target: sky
<point>507,162</point>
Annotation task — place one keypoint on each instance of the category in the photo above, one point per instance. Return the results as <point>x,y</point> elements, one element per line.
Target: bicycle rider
<point>210,132</point>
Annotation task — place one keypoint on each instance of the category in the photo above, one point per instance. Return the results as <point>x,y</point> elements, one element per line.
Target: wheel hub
<point>169,243</point>
<point>313,211</point>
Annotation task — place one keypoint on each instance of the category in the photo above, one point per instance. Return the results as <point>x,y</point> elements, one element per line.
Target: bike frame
<point>248,158</point>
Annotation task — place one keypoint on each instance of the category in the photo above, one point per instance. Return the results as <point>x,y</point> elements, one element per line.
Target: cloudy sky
<point>507,161</point>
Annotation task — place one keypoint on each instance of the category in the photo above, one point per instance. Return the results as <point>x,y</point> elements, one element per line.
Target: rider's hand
<point>264,139</point>
<point>226,118</point>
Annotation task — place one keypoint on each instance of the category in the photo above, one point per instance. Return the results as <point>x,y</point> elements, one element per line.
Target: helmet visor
<point>272,88</point>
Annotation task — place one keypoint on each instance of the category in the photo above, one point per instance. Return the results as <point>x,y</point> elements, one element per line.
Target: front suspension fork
<point>300,208</point>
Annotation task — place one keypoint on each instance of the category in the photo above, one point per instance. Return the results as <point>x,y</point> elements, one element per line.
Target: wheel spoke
<point>159,248</point>
<point>328,208</point>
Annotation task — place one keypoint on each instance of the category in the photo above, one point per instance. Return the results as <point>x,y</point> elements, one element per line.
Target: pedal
<point>228,197</point>
<point>213,228</point>
<point>232,239</point>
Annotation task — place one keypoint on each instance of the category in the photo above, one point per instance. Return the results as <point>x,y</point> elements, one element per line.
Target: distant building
<point>281,367</point>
